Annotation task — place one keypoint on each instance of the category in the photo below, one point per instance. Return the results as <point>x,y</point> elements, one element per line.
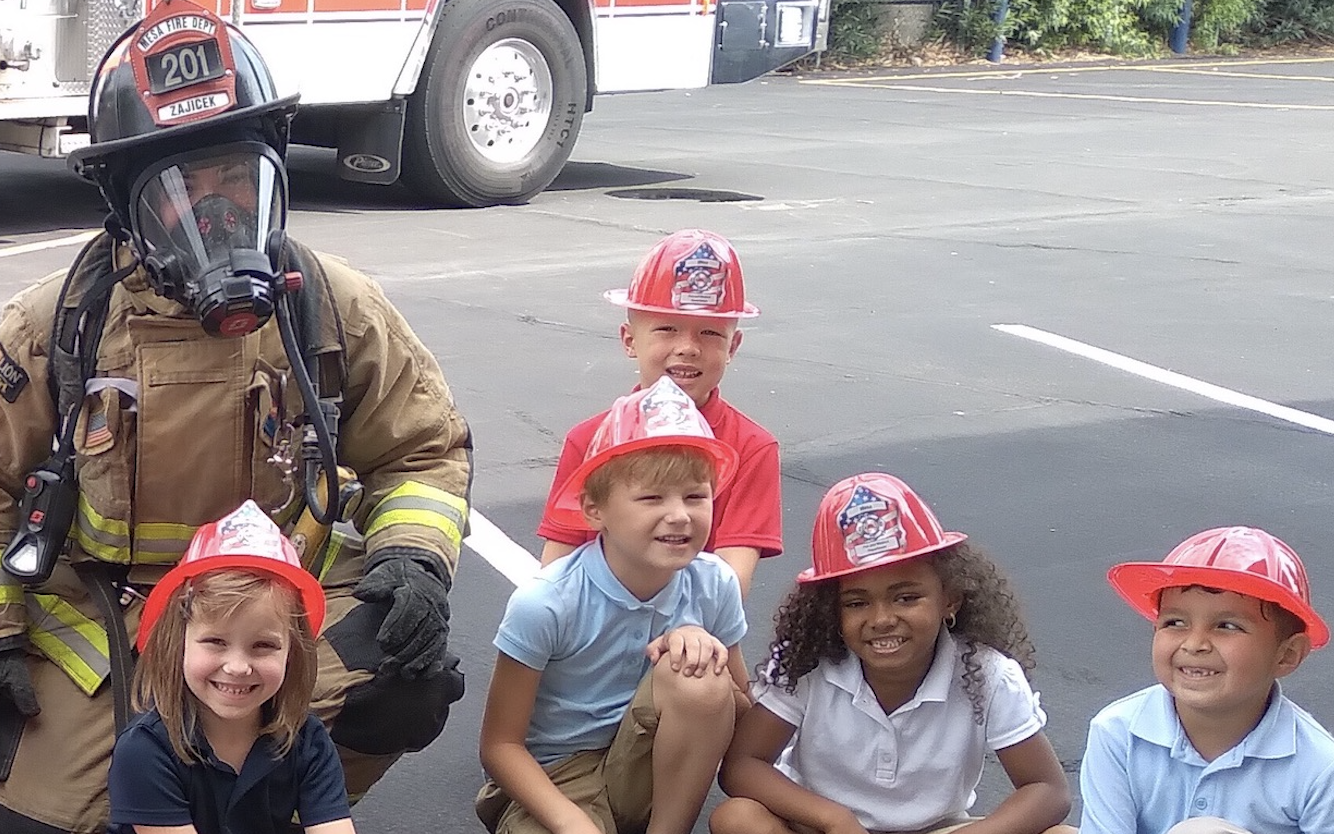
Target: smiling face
<point>650,531</point>
<point>235,663</point>
<point>692,350</point>
<point>1218,653</point>
<point>890,618</point>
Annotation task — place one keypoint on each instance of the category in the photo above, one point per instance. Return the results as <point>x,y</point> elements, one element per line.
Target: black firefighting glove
<point>16,692</point>
<point>414,584</point>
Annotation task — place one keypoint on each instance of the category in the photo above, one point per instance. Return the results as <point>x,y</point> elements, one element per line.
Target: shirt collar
<point>594,560</point>
<point>1273,738</point>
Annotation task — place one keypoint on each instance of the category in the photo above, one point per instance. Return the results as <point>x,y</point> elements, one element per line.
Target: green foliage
<point>970,25</point>
<point>1133,27</point>
<point>855,30</point>
<point>1284,21</point>
<point>1044,25</point>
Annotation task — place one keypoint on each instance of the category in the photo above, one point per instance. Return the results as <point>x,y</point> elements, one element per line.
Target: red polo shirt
<point>748,512</point>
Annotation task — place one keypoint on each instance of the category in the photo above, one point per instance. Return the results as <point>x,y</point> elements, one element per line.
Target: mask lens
<point>200,209</point>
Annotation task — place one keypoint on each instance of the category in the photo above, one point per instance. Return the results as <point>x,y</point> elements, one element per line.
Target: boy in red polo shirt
<point>683,307</point>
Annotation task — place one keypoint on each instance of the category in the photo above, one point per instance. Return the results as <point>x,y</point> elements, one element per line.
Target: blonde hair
<point>159,678</point>
<point>657,466</point>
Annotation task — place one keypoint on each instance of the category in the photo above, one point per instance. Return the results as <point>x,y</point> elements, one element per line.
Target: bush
<point>1133,27</point>
<point>1284,21</point>
<point>855,30</point>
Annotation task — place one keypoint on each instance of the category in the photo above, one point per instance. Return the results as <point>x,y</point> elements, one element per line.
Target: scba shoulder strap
<point>320,326</point>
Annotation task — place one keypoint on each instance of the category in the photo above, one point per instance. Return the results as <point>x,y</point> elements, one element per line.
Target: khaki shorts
<point>614,786</point>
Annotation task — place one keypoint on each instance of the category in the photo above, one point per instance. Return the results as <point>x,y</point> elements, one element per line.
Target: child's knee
<point>707,695</point>
<point>738,816</point>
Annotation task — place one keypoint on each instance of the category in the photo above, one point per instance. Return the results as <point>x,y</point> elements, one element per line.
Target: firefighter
<point>193,357</point>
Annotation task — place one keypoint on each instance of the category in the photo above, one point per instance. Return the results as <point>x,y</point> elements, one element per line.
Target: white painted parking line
<point>505,554</point>
<point>24,248</point>
<point>1166,377</point>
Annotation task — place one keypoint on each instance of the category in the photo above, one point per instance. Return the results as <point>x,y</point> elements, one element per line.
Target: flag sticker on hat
<point>666,409</point>
<point>248,531</point>
<point>871,526</point>
<point>700,280</point>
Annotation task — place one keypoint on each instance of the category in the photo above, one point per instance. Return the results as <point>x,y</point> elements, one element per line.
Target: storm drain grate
<point>702,195</point>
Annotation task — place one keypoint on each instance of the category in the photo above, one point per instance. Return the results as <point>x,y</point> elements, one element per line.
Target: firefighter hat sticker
<point>660,415</point>
<point>871,520</point>
<point>246,540</point>
<point>691,272</point>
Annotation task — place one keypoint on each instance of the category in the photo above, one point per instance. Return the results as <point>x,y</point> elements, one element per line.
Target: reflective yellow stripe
<point>161,542</point>
<point>154,542</point>
<point>11,594</point>
<point>72,641</point>
<point>417,503</point>
<point>105,538</point>
<point>331,550</point>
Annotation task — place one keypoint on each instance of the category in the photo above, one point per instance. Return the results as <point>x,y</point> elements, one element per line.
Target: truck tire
<point>498,105</point>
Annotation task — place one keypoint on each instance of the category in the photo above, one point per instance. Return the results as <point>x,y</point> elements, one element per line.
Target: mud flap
<point>370,143</point>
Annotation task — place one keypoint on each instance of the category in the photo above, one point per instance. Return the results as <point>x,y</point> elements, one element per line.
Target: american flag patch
<point>96,433</point>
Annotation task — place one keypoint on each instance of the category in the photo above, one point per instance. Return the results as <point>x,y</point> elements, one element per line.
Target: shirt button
<point>1201,803</point>
<point>639,635</point>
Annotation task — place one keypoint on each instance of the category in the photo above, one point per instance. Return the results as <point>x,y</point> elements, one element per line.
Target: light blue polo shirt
<point>1141,775</point>
<point>578,625</point>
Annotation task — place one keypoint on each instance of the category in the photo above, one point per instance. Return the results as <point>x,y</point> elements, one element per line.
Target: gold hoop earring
<point>950,620</point>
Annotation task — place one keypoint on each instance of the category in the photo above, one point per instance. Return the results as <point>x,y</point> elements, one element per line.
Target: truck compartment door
<point>756,36</point>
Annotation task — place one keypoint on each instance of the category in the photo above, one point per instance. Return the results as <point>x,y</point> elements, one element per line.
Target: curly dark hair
<point>807,623</point>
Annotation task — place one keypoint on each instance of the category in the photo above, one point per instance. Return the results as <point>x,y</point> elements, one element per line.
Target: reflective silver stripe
<point>74,642</point>
<point>416,502</point>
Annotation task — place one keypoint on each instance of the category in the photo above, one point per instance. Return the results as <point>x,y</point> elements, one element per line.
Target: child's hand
<point>690,650</point>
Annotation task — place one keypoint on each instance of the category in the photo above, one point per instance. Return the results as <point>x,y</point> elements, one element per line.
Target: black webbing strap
<point>96,578</point>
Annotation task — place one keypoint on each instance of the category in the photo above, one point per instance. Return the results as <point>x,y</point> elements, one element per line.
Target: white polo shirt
<point>916,767</point>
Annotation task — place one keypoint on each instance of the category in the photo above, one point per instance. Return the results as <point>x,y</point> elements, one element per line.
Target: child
<point>611,703</point>
<point>1215,746</point>
<point>897,663</point>
<point>226,670</point>
<point>683,306</point>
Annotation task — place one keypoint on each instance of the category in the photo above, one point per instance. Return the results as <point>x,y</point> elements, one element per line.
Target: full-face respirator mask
<point>208,226</point>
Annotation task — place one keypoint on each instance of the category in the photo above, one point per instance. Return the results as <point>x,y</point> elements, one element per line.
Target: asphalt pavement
<point>1085,311</point>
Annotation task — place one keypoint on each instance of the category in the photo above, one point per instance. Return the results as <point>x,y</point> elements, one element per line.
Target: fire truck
<point>469,102</point>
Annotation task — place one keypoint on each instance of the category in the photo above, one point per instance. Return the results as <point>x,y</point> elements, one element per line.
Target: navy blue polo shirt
<point>150,785</point>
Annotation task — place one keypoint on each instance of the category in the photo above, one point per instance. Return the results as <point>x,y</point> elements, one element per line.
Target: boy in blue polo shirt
<point>1215,748</point>
<point>611,703</point>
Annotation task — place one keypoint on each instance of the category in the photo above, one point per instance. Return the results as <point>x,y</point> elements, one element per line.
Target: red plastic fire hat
<point>691,272</point>
<point>660,415</point>
<point>249,540</point>
<point>868,521</point>
<point>1245,560</point>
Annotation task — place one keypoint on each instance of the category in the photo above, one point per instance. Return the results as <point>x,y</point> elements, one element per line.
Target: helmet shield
<point>192,209</point>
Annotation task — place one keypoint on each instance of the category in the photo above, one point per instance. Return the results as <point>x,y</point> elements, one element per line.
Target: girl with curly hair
<point>898,661</point>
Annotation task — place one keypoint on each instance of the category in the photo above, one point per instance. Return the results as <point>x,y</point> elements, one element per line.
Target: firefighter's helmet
<point>1245,560</point>
<point>868,521</point>
<point>660,415</point>
<point>245,540</point>
<point>180,80</point>
<point>691,272</point>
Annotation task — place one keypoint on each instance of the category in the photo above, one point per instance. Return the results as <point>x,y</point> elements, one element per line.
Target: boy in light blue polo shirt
<point>611,703</point>
<point>1215,748</point>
